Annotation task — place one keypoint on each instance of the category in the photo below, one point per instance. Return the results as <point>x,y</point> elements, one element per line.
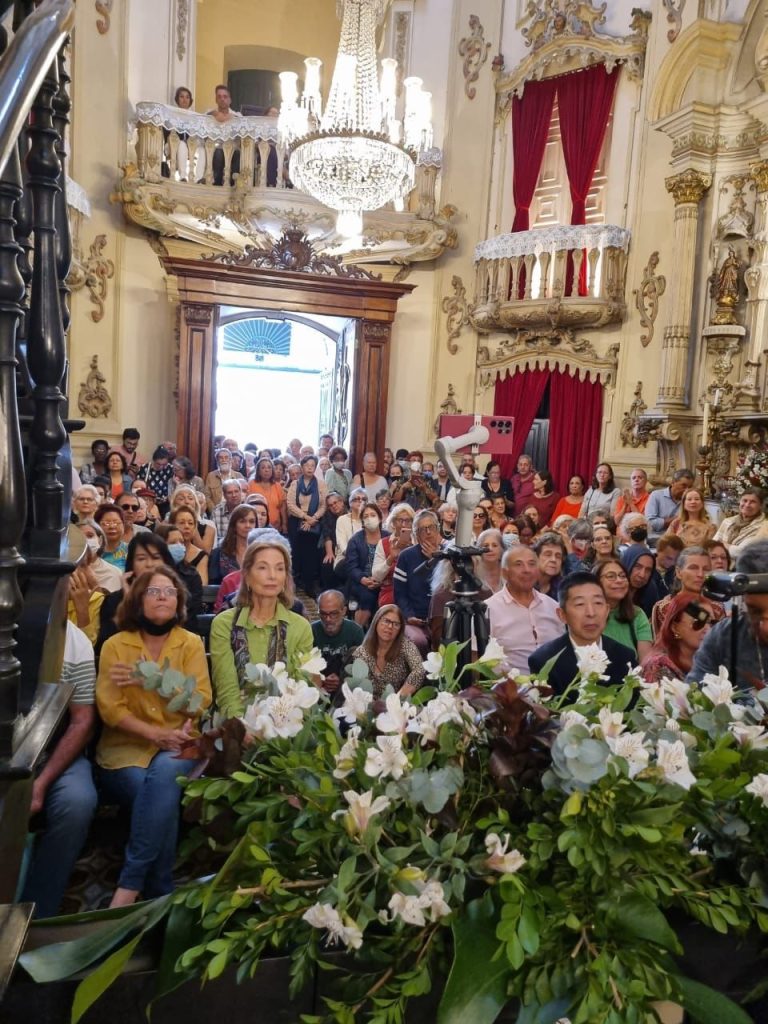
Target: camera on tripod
<point>720,586</point>
<point>460,558</point>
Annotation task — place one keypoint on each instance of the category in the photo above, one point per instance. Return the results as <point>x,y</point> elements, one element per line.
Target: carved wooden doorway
<point>288,277</point>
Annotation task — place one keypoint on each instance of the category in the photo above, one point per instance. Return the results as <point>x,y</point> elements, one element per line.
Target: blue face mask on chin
<point>177,551</point>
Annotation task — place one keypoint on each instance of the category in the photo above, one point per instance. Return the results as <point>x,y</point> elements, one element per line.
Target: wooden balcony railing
<point>555,276</point>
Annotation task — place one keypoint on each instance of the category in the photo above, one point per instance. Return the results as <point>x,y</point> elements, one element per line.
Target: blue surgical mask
<point>177,551</point>
<point>510,539</point>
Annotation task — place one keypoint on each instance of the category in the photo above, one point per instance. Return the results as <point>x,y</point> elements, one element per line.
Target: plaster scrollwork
<point>93,399</point>
<point>448,407</point>
<point>474,49</point>
<point>636,431</point>
<point>457,310</point>
<point>674,9</point>
<point>556,346</point>
<point>652,287</point>
<point>92,272</point>
<point>104,8</point>
<point>182,23</point>
<point>739,218</point>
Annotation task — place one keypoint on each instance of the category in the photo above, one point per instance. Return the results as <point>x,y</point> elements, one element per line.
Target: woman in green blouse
<point>261,628</point>
<point>627,624</point>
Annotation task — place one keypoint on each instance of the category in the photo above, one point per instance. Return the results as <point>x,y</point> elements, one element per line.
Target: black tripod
<point>466,615</point>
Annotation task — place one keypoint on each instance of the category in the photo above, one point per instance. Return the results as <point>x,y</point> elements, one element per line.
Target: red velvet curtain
<point>575,423</point>
<point>531,114</point>
<point>584,100</point>
<point>520,396</point>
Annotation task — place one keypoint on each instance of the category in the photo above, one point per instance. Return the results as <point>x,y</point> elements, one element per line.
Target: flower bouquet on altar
<point>482,841</point>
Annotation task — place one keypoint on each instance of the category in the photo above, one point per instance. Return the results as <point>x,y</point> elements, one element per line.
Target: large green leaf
<point>476,989</point>
<point>706,1006</point>
<point>99,980</point>
<point>182,921</point>
<point>635,916</point>
<point>549,1014</point>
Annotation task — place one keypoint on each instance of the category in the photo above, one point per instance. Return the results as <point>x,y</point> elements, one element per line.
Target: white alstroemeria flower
<point>356,704</point>
<point>313,663</point>
<point>506,863</point>
<point>279,670</point>
<point>676,692</point>
<point>653,694</point>
<point>328,919</point>
<point>389,760</point>
<point>672,725</point>
<point>611,723</point>
<point>631,747</point>
<point>634,672</point>
<point>432,899</point>
<point>301,693</point>
<point>444,708</point>
<point>754,736</point>
<point>433,666</point>
<point>258,722</point>
<point>396,717</point>
<point>493,653</point>
<point>673,761</point>
<point>408,908</point>
<point>569,718</point>
<point>345,759</point>
<point>759,787</point>
<point>362,808</point>
<point>592,661</point>
<point>286,715</point>
<point>718,688</point>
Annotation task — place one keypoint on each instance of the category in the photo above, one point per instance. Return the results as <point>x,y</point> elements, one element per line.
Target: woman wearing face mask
<point>363,586</point>
<point>692,568</point>
<point>417,490</point>
<point>370,479</point>
<point>137,754</point>
<point>184,520</point>
<point>108,577</point>
<point>338,478</point>
<point>228,556</point>
<point>693,525</point>
<point>633,529</point>
<point>204,536</point>
<point>685,624</point>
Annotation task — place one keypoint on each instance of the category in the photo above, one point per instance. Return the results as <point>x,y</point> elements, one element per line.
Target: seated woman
<point>526,529</point>
<point>384,502</point>
<point>119,478</point>
<point>603,546</point>
<point>448,515</point>
<point>362,585</point>
<point>488,565</point>
<point>480,521</point>
<point>545,497</point>
<point>626,624</point>
<point>108,577</point>
<point>692,568</point>
<point>136,754</point>
<point>85,598</point>
<point>112,521</point>
<point>498,513</point>
<point>570,504</point>
<point>204,536</point>
<point>184,520</point>
<point>228,556</point>
<point>259,506</point>
<point>496,486</point>
<point>146,552</point>
<point>693,525</point>
<point>260,628</point>
<point>264,481</point>
<point>685,624</point>
<point>398,536</point>
<point>579,544</point>
<point>85,501</point>
<point>391,658</point>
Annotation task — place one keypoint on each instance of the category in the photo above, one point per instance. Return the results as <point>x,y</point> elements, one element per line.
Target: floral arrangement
<point>179,690</point>
<point>522,846</point>
<point>752,470</point>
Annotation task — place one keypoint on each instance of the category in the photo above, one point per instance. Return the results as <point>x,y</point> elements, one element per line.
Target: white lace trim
<point>77,197</point>
<point>202,126</point>
<point>553,239</point>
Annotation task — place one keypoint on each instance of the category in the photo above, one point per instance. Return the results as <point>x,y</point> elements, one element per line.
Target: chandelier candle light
<point>357,155</point>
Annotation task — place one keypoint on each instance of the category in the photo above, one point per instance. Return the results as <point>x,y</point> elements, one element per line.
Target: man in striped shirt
<point>64,791</point>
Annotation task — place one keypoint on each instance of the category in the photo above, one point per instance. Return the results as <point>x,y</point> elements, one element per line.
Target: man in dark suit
<point>584,610</point>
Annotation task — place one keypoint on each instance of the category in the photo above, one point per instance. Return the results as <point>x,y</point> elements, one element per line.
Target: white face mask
<point>338,466</point>
<point>371,523</point>
<point>415,467</point>
<point>93,543</point>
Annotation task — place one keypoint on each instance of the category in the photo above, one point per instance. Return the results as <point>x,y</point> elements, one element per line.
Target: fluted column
<point>687,190</point>
<point>756,280</point>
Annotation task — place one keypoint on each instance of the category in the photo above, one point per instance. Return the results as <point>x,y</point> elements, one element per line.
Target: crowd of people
<point>206,570</point>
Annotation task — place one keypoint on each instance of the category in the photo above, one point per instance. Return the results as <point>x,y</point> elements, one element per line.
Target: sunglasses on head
<point>699,615</point>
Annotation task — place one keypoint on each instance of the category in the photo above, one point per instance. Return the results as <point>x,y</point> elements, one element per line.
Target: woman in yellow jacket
<point>137,752</point>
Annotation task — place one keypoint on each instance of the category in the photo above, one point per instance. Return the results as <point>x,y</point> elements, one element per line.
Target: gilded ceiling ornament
<point>636,432</point>
<point>182,21</point>
<point>688,186</point>
<point>94,400</point>
<point>458,312</point>
<point>674,9</point>
<point>92,273</point>
<point>726,289</point>
<point>561,19</point>
<point>293,252</point>
<point>474,49</point>
<point>556,345</point>
<point>448,407</point>
<point>104,8</point>
<point>652,287</point>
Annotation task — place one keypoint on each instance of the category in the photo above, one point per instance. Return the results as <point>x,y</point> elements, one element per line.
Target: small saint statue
<point>726,289</point>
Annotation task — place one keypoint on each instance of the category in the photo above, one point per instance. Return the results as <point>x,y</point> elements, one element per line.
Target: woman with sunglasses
<point>686,622</point>
<point>481,521</point>
<point>626,624</point>
<point>391,658</point>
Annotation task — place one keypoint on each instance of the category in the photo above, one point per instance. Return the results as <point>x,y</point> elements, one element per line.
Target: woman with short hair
<point>338,478</point>
<point>391,658</point>
<point>396,537</point>
<point>370,479</point>
<point>112,521</point>
<point>85,501</point>
<point>264,482</point>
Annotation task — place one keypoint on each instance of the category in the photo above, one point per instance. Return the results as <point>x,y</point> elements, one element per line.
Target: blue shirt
<point>412,591</point>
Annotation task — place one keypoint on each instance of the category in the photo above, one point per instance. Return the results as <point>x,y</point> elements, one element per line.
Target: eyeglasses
<point>160,591</point>
<point>613,576</point>
<point>356,501</point>
<point>479,515</point>
<point>431,528</point>
<point>390,623</point>
<point>129,508</point>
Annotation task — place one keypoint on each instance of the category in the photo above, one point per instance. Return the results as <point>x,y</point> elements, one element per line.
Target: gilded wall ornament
<point>458,312</point>
<point>93,399</point>
<point>104,8</point>
<point>738,219</point>
<point>92,273</point>
<point>474,49</point>
<point>652,287</point>
<point>182,21</point>
<point>448,407</point>
<point>293,252</point>
<point>674,9</point>
<point>726,289</point>
<point>561,19</point>
<point>688,186</point>
<point>759,172</point>
<point>636,432</point>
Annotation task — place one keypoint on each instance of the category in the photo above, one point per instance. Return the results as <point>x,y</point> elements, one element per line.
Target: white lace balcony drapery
<point>189,122</point>
<point>557,238</point>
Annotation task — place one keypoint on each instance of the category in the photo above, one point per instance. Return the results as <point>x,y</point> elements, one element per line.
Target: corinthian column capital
<point>759,172</point>
<point>688,186</point>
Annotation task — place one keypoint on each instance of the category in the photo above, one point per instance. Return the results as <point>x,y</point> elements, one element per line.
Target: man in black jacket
<point>584,610</point>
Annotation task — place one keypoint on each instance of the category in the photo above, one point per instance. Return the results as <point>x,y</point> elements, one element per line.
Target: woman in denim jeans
<point>138,751</point>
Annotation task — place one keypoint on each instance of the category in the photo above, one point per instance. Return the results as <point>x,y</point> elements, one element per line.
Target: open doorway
<point>281,375</point>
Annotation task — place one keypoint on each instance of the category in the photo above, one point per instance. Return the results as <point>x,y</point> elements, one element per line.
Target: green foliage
<point>178,690</point>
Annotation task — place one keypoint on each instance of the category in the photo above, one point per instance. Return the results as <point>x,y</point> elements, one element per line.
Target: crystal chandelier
<point>357,155</point>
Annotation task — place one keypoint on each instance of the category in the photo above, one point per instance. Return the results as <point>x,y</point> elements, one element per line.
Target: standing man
<point>520,617</point>
<point>223,113</point>
<point>130,450</point>
<point>584,610</point>
<point>232,497</point>
<point>663,505</point>
<point>335,636</point>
